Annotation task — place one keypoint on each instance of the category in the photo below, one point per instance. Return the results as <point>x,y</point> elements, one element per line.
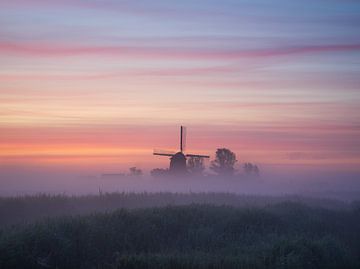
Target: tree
<point>224,162</point>
<point>195,166</point>
<point>251,169</point>
<point>135,172</point>
<point>159,172</point>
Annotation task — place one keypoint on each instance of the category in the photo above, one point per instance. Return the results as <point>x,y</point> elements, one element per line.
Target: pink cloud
<point>52,50</point>
<point>124,73</point>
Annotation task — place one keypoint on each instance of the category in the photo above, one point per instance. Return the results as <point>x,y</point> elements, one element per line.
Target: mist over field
<point>99,217</point>
<point>313,182</point>
<point>169,230</point>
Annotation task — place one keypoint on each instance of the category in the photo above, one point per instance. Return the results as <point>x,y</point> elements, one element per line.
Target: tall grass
<point>25,209</point>
<point>277,235</point>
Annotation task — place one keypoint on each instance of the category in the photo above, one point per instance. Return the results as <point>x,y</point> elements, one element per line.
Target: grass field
<point>178,231</point>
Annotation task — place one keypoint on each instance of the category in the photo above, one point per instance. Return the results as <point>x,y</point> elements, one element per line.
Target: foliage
<point>251,169</point>
<point>159,173</point>
<point>136,172</point>
<point>195,166</point>
<point>224,162</point>
<point>283,235</point>
<point>26,209</point>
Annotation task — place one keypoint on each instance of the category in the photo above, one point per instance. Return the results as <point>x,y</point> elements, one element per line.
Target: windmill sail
<point>197,155</point>
<point>182,138</point>
<point>161,152</point>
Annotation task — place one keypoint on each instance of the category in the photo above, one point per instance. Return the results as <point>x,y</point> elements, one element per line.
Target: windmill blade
<point>160,152</point>
<point>183,138</point>
<point>197,155</point>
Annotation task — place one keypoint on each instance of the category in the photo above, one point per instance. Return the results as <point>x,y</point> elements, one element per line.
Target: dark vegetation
<point>26,209</point>
<point>224,163</point>
<point>234,232</point>
<point>223,166</point>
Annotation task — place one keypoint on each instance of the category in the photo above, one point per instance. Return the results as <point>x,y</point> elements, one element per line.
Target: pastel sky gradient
<point>100,84</point>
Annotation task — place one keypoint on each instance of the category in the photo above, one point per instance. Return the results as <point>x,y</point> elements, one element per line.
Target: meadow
<point>169,230</point>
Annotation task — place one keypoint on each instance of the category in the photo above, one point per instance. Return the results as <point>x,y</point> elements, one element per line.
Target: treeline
<point>25,209</point>
<point>223,166</point>
<point>284,235</point>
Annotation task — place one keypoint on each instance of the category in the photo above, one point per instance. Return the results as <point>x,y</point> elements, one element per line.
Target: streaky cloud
<point>47,49</point>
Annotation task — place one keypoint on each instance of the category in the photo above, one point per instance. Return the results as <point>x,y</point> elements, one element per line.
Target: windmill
<point>178,159</point>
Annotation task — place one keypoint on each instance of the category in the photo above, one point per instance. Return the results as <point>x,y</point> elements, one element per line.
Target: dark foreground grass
<point>283,235</point>
<point>26,209</point>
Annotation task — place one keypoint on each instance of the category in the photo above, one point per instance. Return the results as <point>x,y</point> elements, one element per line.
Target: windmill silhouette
<point>178,159</point>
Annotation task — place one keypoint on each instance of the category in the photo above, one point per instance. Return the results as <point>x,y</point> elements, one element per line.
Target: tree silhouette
<point>135,172</point>
<point>195,166</point>
<point>159,172</point>
<point>224,162</point>
<point>251,169</point>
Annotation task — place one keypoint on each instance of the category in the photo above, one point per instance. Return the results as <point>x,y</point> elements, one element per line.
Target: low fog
<point>309,182</point>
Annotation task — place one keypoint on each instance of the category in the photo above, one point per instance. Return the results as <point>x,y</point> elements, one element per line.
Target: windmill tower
<point>178,159</point>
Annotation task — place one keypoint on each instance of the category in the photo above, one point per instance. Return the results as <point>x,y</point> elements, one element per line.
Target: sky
<point>95,86</point>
